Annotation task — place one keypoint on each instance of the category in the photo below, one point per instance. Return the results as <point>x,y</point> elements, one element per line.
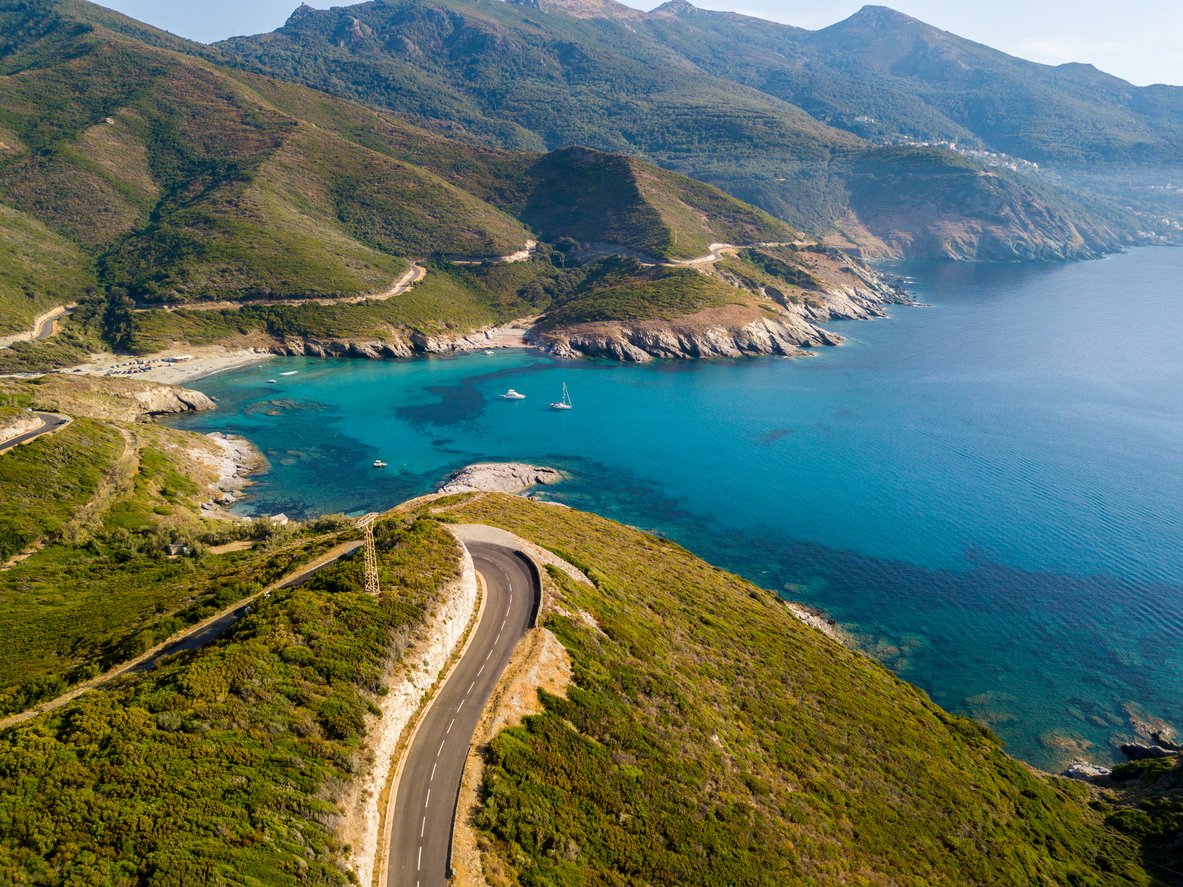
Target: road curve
<point>425,803</point>
<point>49,422</point>
<point>43,327</point>
<point>49,325</point>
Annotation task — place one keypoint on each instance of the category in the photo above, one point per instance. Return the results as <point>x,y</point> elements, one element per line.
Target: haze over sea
<point>988,491</point>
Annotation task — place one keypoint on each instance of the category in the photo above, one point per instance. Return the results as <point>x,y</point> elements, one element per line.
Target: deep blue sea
<point>987,491</point>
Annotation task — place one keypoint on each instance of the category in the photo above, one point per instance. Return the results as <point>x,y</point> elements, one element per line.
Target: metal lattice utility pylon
<point>366,525</point>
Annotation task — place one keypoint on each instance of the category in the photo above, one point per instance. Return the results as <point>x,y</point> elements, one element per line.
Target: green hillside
<point>161,780</point>
<point>93,508</point>
<point>606,198</point>
<point>39,270</point>
<point>189,185</point>
<point>182,181</point>
<point>710,737</point>
<point>682,90</point>
<point>882,74</point>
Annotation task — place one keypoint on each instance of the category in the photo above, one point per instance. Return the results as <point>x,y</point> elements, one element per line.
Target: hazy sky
<point>1141,40</point>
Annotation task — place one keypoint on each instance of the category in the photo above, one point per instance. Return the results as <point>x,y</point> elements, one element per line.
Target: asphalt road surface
<point>49,325</point>
<point>426,801</point>
<point>50,422</point>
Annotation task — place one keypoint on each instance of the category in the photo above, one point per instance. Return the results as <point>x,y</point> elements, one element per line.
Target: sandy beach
<point>174,367</point>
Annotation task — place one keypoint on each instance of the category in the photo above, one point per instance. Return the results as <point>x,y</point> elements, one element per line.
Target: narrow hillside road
<point>412,276</point>
<point>48,325</point>
<point>426,793</point>
<point>43,327</point>
<point>717,251</point>
<point>49,422</point>
<point>191,638</point>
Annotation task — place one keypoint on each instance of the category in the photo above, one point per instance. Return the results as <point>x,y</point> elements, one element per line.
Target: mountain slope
<point>190,185</point>
<point>556,74</point>
<point>39,270</point>
<point>884,74</point>
<point>607,198</point>
<point>184,181</point>
<point>711,737</point>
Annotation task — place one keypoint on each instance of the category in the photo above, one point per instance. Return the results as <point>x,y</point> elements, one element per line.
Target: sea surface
<point>987,491</point>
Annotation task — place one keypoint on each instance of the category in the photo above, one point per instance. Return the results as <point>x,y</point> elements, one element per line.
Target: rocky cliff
<point>125,400</point>
<point>783,319</point>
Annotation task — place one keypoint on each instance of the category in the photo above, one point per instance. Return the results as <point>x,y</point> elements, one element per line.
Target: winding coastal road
<point>49,422</point>
<point>425,799</point>
<point>43,327</point>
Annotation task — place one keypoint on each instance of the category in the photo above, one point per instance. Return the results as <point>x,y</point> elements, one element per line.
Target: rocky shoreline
<point>399,347</point>
<point>233,459</point>
<point>1152,738</point>
<point>793,330</point>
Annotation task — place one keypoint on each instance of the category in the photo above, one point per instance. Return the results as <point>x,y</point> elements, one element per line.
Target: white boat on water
<point>565,403</point>
<point>270,381</point>
<point>490,352</point>
<point>378,463</point>
<point>512,395</point>
<point>290,373</point>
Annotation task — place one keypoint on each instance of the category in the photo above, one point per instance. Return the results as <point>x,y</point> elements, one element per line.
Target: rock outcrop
<point>1086,771</point>
<point>395,346</point>
<point>159,400</point>
<point>1138,751</point>
<point>500,477</point>
<point>232,460</point>
<point>118,399</point>
<point>784,323</point>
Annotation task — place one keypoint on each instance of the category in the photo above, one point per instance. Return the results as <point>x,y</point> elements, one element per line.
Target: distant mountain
<point>881,73</point>
<point>692,91</point>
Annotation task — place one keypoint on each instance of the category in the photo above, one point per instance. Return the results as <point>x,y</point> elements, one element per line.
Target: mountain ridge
<point>650,86</point>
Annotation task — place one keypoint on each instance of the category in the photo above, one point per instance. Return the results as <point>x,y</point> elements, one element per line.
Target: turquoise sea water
<point>987,491</point>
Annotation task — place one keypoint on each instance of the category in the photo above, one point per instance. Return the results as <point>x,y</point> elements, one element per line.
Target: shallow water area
<point>987,491</point>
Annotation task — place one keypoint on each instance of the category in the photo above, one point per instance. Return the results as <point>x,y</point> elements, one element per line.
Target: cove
<point>986,491</point>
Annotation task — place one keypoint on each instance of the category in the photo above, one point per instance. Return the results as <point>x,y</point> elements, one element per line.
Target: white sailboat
<point>565,403</point>
<point>512,395</point>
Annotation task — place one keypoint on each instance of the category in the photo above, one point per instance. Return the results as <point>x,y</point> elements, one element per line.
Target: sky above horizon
<point>1140,40</point>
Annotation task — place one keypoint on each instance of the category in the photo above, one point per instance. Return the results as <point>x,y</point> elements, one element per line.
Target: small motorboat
<point>565,403</point>
<point>490,352</point>
<point>378,463</point>
<point>270,381</point>
<point>513,395</point>
<point>290,373</point>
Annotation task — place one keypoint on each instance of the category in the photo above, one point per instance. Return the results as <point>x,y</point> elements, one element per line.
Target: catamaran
<point>512,395</point>
<point>565,403</point>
